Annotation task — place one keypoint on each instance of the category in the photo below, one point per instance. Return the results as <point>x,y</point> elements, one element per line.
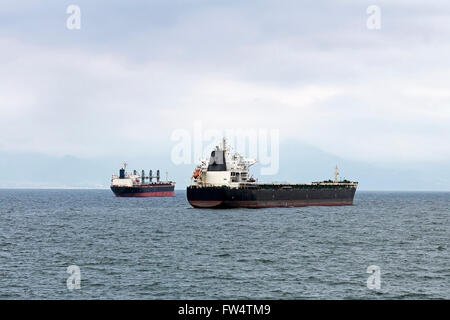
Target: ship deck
<point>314,185</point>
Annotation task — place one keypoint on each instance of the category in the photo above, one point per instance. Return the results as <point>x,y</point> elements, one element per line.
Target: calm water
<point>162,248</point>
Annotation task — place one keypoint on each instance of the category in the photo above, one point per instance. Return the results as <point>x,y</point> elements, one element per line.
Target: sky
<point>138,71</point>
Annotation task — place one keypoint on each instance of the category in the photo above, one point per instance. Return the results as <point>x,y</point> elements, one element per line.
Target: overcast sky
<point>138,70</point>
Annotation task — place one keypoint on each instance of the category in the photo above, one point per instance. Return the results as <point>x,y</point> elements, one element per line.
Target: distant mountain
<point>298,163</point>
<point>305,163</point>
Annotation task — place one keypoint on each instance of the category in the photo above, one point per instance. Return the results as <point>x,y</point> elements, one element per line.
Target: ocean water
<point>161,248</point>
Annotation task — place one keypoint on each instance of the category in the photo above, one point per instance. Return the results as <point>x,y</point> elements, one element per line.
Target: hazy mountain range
<point>298,163</point>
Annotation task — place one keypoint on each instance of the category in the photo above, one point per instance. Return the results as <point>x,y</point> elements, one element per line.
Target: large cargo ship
<point>223,181</point>
<point>134,185</point>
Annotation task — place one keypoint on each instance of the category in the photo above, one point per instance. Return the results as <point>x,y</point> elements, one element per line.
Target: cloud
<point>316,73</point>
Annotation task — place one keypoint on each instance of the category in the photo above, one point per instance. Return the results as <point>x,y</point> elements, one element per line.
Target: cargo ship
<point>134,185</point>
<point>223,181</point>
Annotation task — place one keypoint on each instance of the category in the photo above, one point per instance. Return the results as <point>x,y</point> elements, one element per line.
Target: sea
<point>88,244</point>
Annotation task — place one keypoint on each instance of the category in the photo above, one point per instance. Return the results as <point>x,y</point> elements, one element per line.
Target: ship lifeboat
<point>196,173</point>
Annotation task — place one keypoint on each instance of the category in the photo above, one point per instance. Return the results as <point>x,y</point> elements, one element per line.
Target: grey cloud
<point>161,64</point>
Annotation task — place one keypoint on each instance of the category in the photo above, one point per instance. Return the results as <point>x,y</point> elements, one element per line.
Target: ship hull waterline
<point>263,204</point>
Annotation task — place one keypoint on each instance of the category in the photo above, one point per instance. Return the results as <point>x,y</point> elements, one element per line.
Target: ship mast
<point>224,144</point>
<point>336,173</point>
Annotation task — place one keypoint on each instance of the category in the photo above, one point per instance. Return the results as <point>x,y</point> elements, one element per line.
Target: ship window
<point>233,174</point>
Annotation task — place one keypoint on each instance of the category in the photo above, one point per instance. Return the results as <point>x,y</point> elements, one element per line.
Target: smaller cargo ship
<point>134,185</point>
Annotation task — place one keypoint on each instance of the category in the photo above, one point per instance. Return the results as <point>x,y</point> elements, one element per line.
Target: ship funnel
<point>122,173</point>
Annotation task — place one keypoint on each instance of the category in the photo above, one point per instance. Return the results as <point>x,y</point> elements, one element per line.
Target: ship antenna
<point>224,143</point>
<point>125,166</point>
<point>336,173</point>
<point>167,176</point>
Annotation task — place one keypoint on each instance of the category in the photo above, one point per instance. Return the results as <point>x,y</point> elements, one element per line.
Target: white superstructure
<point>130,179</point>
<point>126,180</point>
<point>223,168</point>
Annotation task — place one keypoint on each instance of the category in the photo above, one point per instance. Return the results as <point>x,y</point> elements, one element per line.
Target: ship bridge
<point>224,168</point>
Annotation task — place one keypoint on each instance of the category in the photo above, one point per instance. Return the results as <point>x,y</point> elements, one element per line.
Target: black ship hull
<point>149,190</point>
<point>265,196</point>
